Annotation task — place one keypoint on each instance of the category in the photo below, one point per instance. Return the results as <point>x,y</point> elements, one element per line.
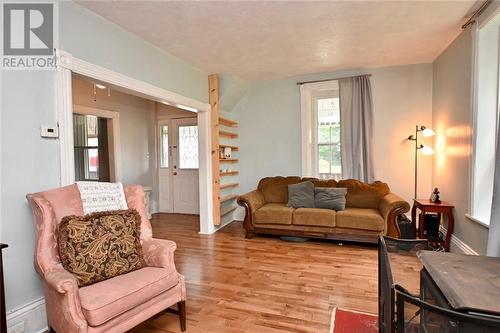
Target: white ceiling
<point>266,40</point>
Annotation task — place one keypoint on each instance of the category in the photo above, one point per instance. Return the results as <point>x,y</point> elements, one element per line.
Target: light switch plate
<point>49,132</point>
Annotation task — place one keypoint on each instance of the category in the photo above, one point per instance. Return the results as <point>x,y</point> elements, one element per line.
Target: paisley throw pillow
<point>100,246</point>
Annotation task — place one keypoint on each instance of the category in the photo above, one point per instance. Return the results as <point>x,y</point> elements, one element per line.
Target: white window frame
<point>490,13</point>
<point>309,94</point>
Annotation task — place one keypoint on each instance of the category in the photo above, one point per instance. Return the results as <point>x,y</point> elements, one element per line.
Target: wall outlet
<point>17,328</point>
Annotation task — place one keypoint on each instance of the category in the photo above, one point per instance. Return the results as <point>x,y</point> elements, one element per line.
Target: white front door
<point>178,178</point>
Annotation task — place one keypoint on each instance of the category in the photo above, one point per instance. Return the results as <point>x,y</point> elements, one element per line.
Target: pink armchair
<point>114,305</point>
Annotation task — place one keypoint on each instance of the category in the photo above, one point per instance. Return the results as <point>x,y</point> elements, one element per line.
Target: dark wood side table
<point>3,314</point>
<point>427,206</point>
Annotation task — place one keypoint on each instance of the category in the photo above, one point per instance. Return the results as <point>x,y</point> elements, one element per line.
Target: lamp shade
<point>428,132</point>
<point>426,150</point>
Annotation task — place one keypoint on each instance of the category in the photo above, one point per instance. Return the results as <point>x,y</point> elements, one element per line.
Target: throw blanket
<point>101,197</point>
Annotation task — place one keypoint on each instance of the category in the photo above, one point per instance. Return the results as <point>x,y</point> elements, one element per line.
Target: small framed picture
<point>227,152</point>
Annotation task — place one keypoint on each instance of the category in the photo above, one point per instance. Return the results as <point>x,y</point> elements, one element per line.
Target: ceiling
<point>257,40</point>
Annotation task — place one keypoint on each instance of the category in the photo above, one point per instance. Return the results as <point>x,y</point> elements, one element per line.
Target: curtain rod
<point>478,12</point>
<point>326,80</point>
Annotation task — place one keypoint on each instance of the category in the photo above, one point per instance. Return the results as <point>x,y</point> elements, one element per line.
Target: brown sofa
<point>371,210</point>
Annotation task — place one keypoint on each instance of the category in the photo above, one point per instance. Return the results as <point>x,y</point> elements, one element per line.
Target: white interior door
<point>165,167</point>
<point>185,161</point>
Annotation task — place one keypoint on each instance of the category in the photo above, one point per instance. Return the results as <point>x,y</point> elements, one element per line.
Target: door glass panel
<point>164,146</point>
<point>188,147</point>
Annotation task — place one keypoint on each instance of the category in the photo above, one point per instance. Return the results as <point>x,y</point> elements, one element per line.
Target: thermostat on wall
<point>49,132</point>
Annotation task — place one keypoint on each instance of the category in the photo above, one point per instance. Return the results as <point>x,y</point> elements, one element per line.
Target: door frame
<point>67,65</point>
<point>115,159</point>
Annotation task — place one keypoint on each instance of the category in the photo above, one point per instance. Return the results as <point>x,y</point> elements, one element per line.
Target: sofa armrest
<point>390,207</point>
<point>251,201</point>
<point>63,301</point>
<point>159,253</point>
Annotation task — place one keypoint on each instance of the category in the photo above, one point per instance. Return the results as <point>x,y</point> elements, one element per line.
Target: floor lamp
<point>426,150</point>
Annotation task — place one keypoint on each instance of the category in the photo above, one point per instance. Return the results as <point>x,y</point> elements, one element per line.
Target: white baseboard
<point>33,316</point>
<point>458,246</point>
<point>239,214</point>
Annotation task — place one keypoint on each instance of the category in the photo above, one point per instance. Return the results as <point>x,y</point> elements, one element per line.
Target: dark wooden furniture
<point>468,283</point>
<point>3,314</point>
<point>395,257</point>
<point>428,310</point>
<point>426,206</point>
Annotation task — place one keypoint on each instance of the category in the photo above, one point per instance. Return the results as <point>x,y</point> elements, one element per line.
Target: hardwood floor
<point>262,284</point>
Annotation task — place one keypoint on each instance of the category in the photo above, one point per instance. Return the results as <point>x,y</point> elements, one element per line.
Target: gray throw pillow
<point>301,195</point>
<point>330,197</point>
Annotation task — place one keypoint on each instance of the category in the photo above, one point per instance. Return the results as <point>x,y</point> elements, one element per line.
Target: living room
<point>425,65</point>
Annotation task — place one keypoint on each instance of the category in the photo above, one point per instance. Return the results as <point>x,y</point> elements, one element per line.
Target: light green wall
<point>96,40</point>
<point>30,163</point>
<point>270,130</point>
<point>452,117</point>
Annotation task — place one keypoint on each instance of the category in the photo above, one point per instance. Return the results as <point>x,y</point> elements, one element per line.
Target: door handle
<point>175,173</point>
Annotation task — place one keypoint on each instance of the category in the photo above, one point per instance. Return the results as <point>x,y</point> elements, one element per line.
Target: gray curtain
<point>356,128</point>
<point>494,234</point>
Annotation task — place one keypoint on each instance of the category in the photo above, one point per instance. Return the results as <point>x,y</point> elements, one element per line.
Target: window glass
<point>86,145</point>
<point>328,131</point>
<point>164,146</point>
<point>188,147</point>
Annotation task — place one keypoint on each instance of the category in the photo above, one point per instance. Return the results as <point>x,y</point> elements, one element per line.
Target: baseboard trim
<point>239,214</point>
<point>32,314</point>
<point>457,245</point>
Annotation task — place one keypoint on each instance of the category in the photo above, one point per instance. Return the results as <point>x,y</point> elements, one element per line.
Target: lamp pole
<point>416,161</point>
<point>418,128</point>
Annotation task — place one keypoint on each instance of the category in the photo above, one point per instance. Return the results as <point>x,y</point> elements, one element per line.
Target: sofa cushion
<point>314,217</point>
<point>363,195</point>
<point>301,195</point>
<point>360,218</point>
<point>330,197</point>
<point>273,214</point>
<point>105,300</point>
<point>275,189</point>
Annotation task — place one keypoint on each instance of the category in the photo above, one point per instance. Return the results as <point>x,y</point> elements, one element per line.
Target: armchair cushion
<point>99,246</point>
<point>105,300</point>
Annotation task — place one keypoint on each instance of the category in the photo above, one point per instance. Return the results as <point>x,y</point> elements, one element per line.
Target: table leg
<point>449,230</point>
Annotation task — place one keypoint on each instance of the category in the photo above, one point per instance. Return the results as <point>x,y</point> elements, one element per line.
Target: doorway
<point>67,65</point>
<point>178,169</point>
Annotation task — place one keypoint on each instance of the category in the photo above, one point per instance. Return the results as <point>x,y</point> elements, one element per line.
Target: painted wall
<point>137,128</point>
<point>269,116</point>
<point>92,38</point>
<point>452,118</point>
<point>31,163</point>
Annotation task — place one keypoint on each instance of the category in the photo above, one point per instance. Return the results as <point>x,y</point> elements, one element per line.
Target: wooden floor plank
<point>262,284</point>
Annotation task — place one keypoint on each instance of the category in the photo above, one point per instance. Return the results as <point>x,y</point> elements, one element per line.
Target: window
<point>164,150</point>
<point>320,122</point>
<point>90,145</point>
<point>188,147</point>
<point>328,137</point>
<point>485,120</point>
